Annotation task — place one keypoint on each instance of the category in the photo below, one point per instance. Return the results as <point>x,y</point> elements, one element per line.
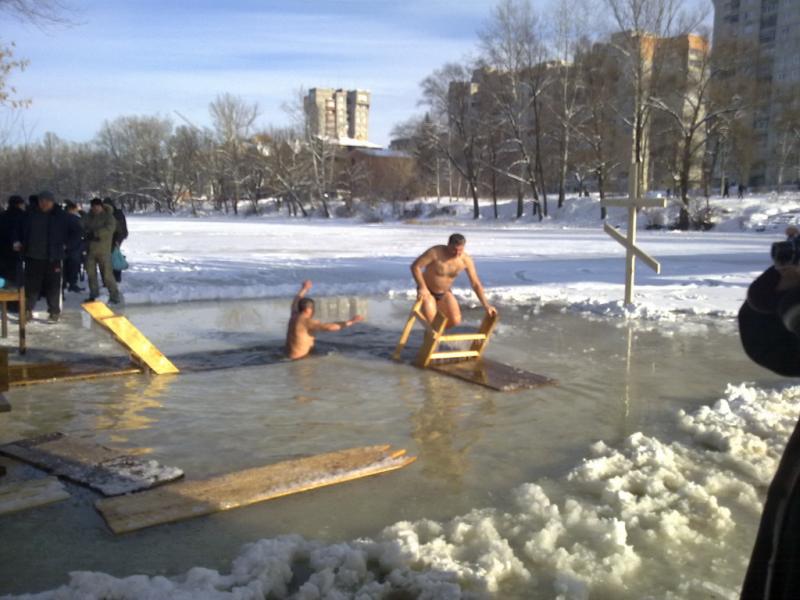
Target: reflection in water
<point>626,408</point>
<point>135,408</point>
<point>303,374</point>
<point>444,442</point>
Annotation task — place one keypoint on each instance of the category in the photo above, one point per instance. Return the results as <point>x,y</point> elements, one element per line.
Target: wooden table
<point>10,294</point>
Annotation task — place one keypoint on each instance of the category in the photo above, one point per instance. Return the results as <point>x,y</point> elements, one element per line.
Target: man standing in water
<point>303,326</point>
<point>442,264</point>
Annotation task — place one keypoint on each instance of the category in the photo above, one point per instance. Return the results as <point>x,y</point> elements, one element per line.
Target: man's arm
<point>315,326</point>
<point>300,294</point>
<point>423,260</point>
<point>478,286</point>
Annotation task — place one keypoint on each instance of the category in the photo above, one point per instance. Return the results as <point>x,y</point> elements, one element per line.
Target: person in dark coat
<point>769,328</point>
<point>42,241</point>
<point>120,233</point>
<point>74,251</point>
<point>10,224</point>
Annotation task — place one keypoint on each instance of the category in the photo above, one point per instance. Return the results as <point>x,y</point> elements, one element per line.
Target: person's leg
<point>91,272</point>
<point>34,276</point>
<point>449,307</point>
<point>71,270</point>
<point>108,276</point>
<point>52,287</point>
<point>775,553</point>
<point>428,308</point>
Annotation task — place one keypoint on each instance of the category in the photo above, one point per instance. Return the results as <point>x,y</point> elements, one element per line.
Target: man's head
<point>97,206</point>
<point>47,201</point>
<point>306,305</point>
<point>16,202</point>
<point>456,243</point>
<point>109,202</point>
<point>71,207</point>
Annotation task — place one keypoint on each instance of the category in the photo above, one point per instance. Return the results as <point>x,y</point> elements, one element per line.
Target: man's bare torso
<point>440,274</point>
<point>299,341</point>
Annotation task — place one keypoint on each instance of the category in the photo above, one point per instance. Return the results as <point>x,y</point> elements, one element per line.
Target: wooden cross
<point>633,203</point>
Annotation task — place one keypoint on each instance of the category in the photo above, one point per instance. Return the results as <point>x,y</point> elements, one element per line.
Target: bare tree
<point>570,27</point>
<point>450,96</point>
<point>596,127</point>
<point>233,120</point>
<point>685,97</point>
<point>514,52</point>
<point>640,24</point>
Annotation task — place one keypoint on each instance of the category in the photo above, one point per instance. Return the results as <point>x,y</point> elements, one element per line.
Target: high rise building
<point>339,115</point>
<point>769,32</point>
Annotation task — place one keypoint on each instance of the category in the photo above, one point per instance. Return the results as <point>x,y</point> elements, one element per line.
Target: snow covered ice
<point>668,511</point>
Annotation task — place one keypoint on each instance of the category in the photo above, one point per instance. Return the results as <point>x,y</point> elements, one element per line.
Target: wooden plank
<point>107,470</point>
<point>454,354</point>
<point>462,337</point>
<point>189,499</point>
<point>139,345</point>
<point>97,310</point>
<point>21,495</point>
<point>641,254</point>
<point>131,338</point>
<point>37,373</point>
<point>487,328</point>
<point>493,375</point>
<point>5,383</point>
<point>407,329</point>
<point>431,342</point>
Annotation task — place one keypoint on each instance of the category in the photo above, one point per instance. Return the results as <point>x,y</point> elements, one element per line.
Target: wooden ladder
<point>435,335</point>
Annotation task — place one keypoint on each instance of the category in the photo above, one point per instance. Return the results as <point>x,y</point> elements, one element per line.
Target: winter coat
<point>53,226</point>
<point>74,234</point>
<point>121,231</point>
<point>11,221</point>
<point>99,230</point>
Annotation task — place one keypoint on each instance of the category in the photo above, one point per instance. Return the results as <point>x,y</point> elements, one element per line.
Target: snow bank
<point>647,519</point>
<point>754,212</point>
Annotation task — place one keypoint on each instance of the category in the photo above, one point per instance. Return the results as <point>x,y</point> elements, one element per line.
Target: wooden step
<point>462,337</point>
<point>455,354</point>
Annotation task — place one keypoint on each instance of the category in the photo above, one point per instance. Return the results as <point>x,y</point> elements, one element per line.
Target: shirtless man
<point>442,264</point>
<point>303,326</point>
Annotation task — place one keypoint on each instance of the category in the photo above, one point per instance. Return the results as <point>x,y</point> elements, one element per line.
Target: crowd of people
<point>45,246</point>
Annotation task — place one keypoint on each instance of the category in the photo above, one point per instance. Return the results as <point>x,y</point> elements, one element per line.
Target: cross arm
<point>639,203</point>
<point>641,254</point>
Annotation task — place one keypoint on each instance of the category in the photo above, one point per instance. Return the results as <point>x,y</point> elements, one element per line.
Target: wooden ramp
<point>189,499</point>
<point>21,495</point>
<point>106,470</point>
<point>466,364</point>
<point>493,375</point>
<point>142,350</point>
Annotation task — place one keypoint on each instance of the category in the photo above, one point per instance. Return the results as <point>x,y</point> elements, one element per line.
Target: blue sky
<point>157,57</point>
<point>147,57</point>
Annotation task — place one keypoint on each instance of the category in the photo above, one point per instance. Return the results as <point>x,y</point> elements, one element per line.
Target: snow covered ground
<point>203,259</point>
<point>622,523</point>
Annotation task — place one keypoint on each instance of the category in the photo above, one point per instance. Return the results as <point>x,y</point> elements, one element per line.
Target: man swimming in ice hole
<point>302,325</point>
